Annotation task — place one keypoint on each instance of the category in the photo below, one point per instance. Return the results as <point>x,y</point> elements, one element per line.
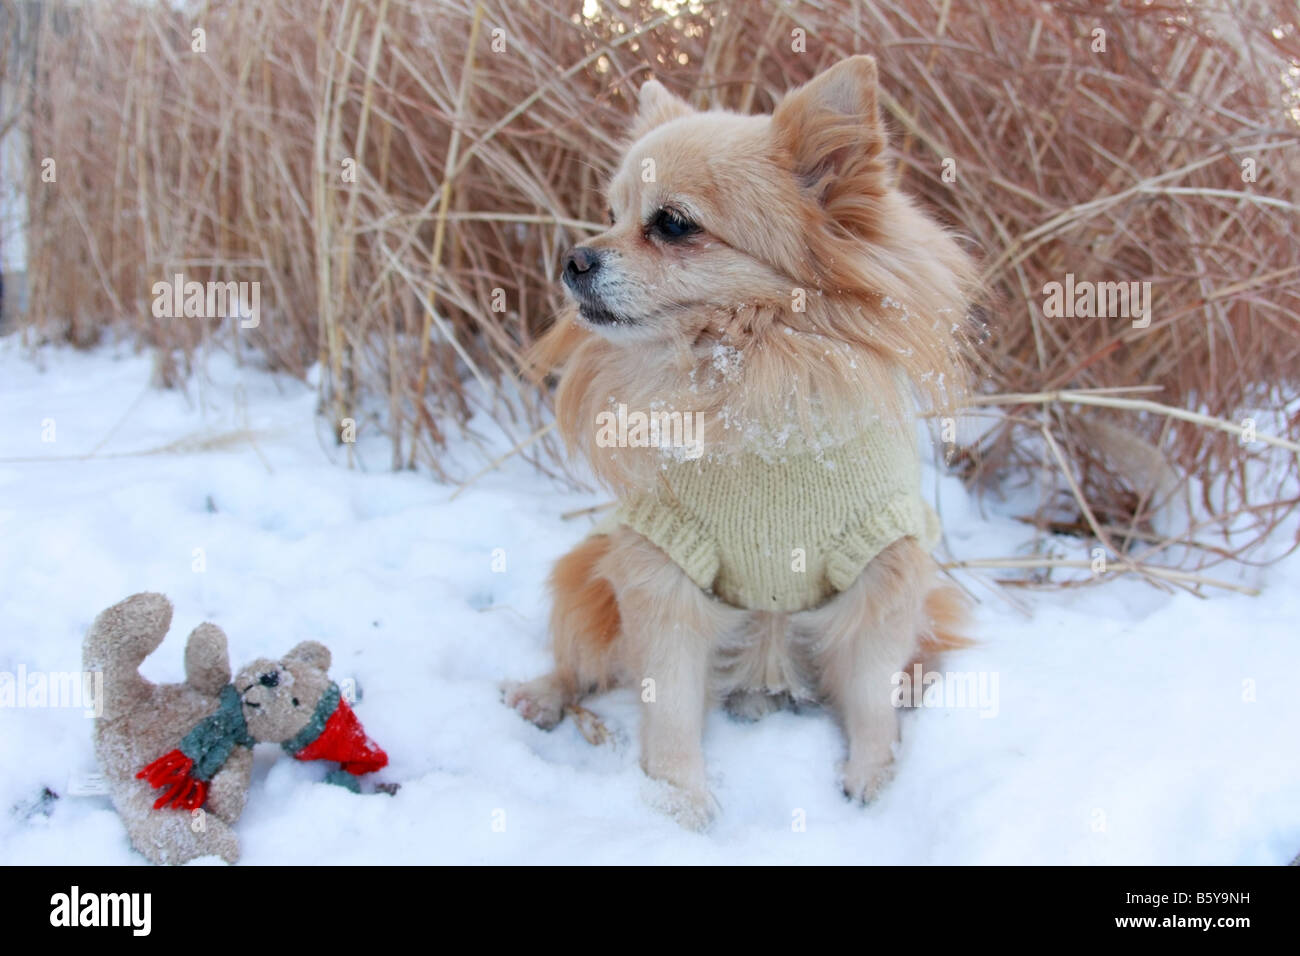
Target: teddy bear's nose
<point>270,680</point>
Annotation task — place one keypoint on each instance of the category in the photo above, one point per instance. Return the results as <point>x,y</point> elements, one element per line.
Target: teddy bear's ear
<point>311,653</point>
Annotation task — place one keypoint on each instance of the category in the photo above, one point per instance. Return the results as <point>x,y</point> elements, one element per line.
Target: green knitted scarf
<point>329,703</point>
<point>213,738</point>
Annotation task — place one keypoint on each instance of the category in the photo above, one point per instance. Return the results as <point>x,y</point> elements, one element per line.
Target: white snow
<point>1131,726</point>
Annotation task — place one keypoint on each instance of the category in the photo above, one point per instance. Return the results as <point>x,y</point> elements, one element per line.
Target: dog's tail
<point>947,618</point>
<point>585,620</point>
<point>119,640</point>
<point>552,349</point>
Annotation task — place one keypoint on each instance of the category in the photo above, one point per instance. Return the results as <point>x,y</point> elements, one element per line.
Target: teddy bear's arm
<point>207,663</point>
<point>229,787</point>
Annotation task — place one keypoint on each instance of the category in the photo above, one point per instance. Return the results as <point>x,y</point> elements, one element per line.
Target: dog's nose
<point>269,680</point>
<point>581,262</point>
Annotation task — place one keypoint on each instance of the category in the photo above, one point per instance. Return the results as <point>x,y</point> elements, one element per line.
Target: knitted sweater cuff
<point>906,516</point>
<point>676,534</point>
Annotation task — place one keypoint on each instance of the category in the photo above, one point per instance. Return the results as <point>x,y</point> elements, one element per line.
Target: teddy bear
<point>178,758</point>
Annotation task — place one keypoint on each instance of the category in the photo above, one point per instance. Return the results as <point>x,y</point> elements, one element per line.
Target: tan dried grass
<point>481,133</point>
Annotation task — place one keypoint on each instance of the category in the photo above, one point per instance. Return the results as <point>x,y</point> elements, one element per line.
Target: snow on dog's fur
<point>765,271</point>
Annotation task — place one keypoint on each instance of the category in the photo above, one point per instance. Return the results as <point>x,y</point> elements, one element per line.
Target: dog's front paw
<point>863,780</point>
<point>692,807</point>
<point>538,701</point>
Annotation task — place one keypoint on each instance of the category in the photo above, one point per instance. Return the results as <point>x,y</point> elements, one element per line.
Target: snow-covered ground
<point>1125,725</point>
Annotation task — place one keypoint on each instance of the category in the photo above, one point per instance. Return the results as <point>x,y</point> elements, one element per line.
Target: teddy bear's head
<point>280,697</point>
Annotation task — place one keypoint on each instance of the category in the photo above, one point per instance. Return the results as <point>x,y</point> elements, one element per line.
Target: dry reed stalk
<point>1037,564</point>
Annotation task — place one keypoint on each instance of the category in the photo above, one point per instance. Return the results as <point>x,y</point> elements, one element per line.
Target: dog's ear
<point>656,106</point>
<point>832,130</point>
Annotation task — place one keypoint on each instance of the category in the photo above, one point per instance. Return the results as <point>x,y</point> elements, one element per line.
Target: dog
<point>765,276</point>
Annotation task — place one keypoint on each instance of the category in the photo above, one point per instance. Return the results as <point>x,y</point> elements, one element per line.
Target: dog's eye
<point>610,214</point>
<point>669,225</point>
<point>295,702</point>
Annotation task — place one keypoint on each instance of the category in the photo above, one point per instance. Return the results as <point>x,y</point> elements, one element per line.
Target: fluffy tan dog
<point>764,282</point>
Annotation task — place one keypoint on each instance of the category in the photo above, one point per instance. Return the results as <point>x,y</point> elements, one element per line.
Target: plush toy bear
<point>178,757</point>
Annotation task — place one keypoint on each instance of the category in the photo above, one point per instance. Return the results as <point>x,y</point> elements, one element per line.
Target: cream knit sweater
<point>785,534</point>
